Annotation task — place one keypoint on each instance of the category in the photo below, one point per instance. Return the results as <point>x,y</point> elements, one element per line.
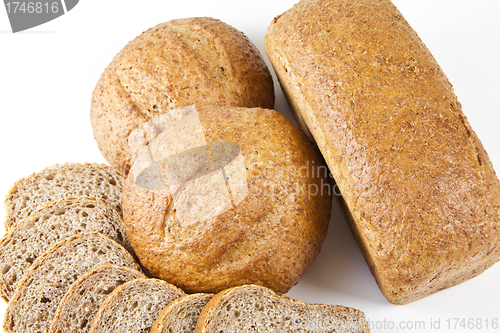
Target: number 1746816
<point>26,7</point>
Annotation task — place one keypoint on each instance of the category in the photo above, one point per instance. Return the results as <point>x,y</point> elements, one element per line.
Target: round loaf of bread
<point>226,196</point>
<point>194,61</point>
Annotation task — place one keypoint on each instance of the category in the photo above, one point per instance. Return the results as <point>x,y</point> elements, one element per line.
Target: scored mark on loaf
<point>204,179</point>
<point>200,40</point>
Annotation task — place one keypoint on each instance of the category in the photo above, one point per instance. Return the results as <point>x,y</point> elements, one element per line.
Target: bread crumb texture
<point>63,181</point>
<point>52,222</point>
<point>133,306</point>
<point>253,308</point>
<point>181,315</point>
<point>39,292</point>
<point>81,302</point>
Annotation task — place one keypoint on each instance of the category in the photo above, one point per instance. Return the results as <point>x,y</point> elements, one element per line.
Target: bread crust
<point>200,61</point>
<point>270,238</point>
<point>422,194</point>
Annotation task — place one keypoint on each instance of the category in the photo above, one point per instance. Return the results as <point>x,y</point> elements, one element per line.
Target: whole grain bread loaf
<point>200,61</point>
<point>62,181</point>
<point>181,315</point>
<point>134,306</point>
<point>79,305</point>
<point>226,196</point>
<point>52,222</point>
<point>252,308</point>
<point>34,303</point>
<point>421,192</point>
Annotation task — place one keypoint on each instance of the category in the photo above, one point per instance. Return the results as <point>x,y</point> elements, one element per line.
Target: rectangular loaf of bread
<point>421,192</point>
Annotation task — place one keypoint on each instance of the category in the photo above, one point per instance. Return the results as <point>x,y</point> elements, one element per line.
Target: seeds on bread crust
<point>261,218</point>
<point>421,192</point>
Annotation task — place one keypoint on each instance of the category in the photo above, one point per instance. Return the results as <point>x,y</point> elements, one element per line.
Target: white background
<point>47,75</point>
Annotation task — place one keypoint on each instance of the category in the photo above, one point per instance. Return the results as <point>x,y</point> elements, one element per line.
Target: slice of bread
<point>77,309</point>
<point>252,308</point>
<point>134,306</point>
<point>34,303</point>
<point>55,220</point>
<point>62,181</point>
<point>181,315</point>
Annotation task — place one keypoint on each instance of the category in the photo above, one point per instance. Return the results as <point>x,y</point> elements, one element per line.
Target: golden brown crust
<point>421,190</point>
<point>269,238</point>
<point>200,61</point>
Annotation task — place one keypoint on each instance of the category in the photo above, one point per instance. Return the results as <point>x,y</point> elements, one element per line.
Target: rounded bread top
<point>194,61</point>
<point>243,198</point>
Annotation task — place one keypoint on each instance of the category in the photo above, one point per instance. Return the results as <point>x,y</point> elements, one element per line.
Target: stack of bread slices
<point>66,265</point>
